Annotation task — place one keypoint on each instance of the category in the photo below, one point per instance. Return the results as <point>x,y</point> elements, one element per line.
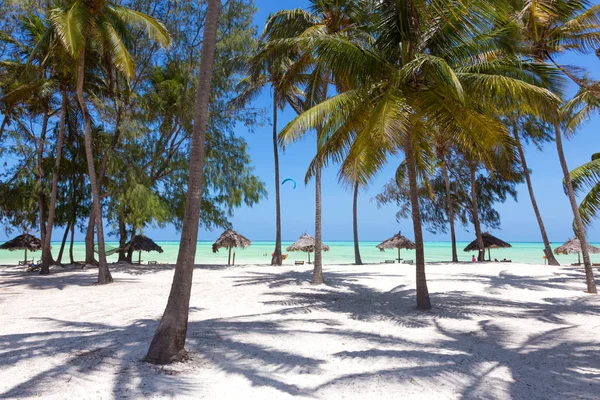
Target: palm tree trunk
<point>547,250</point>
<point>104,275</point>
<point>71,256</point>
<point>475,213</point>
<point>63,243</point>
<point>169,340</point>
<point>589,274</point>
<point>317,275</point>
<point>2,126</point>
<point>40,175</point>
<point>423,301</point>
<point>122,238</point>
<point>276,260</point>
<point>46,250</point>
<point>450,204</point>
<point>357,259</point>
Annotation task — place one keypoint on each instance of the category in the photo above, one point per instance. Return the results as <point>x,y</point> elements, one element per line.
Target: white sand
<point>497,331</point>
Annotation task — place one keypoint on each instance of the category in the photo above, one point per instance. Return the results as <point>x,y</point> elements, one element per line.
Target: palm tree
<point>325,17</point>
<point>550,28</point>
<point>416,72</point>
<point>169,340</point>
<point>103,23</point>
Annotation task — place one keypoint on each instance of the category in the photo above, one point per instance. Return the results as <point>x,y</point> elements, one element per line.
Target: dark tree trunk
<point>2,126</point>
<point>475,214</point>
<point>547,250</point>
<point>169,340</point>
<point>357,259</point>
<point>277,259</point>
<point>580,230</point>
<point>89,240</point>
<point>450,204</point>
<point>71,257</point>
<point>104,275</point>
<point>317,275</point>
<point>122,239</point>
<point>46,248</point>
<point>63,243</point>
<point>423,301</point>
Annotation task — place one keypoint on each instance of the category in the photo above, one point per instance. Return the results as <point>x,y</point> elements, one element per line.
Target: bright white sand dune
<point>497,331</point>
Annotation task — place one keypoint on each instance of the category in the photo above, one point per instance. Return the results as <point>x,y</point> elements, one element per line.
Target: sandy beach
<point>497,331</point>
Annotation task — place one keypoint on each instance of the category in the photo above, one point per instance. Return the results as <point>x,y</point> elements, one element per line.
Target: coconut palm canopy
<point>489,242</point>
<point>306,243</point>
<point>229,239</point>
<point>396,242</point>
<point>573,246</point>
<point>143,243</point>
<point>23,242</point>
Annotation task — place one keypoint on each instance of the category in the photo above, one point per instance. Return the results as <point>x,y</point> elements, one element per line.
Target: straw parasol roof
<point>396,242</point>
<point>229,239</point>
<point>23,242</point>
<point>489,242</point>
<point>306,243</point>
<point>573,246</point>
<point>143,243</point>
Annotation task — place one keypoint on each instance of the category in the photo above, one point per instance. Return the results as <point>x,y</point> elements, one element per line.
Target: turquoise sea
<point>340,253</point>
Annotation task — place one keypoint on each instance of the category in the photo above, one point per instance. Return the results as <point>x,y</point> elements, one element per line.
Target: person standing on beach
<point>473,259</point>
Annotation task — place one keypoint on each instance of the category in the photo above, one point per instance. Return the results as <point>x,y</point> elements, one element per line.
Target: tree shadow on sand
<point>264,347</point>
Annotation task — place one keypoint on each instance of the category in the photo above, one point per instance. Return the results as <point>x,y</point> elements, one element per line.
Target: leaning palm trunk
<point>547,250</point>
<point>40,174</point>
<point>169,340</point>
<point>46,251</point>
<point>580,230</point>
<point>475,211</point>
<point>317,276</point>
<point>450,205</point>
<point>357,258</point>
<point>104,275</point>
<point>423,301</point>
<point>276,260</point>
<point>90,258</point>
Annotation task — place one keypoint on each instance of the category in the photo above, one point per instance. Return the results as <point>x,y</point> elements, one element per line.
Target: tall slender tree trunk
<point>317,275</point>
<point>63,243</point>
<point>589,274</point>
<point>90,258</point>
<point>46,248</point>
<point>475,214</point>
<point>2,126</point>
<point>104,275</point>
<point>357,259</point>
<point>40,175</point>
<point>71,256</point>
<point>450,204</point>
<point>547,250</point>
<point>423,300</point>
<point>169,340</point>
<point>122,239</point>
<point>277,259</point>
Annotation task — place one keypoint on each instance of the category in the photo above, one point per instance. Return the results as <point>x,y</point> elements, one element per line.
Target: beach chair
<point>152,262</point>
<point>390,261</point>
<point>299,263</point>
<point>407,262</point>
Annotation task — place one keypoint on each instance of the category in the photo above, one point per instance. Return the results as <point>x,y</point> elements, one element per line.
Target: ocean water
<point>340,253</point>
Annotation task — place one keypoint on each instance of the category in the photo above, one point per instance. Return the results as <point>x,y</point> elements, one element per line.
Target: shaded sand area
<point>497,331</point>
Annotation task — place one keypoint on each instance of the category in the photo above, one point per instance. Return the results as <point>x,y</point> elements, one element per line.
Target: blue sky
<point>518,220</point>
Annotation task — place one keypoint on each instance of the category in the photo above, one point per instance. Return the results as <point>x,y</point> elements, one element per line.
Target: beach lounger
<point>407,262</point>
<point>390,261</point>
<point>27,262</point>
<point>299,263</point>
<point>152,262</point>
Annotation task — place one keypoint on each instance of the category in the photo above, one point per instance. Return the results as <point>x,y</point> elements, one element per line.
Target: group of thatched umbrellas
<point>230,239</point>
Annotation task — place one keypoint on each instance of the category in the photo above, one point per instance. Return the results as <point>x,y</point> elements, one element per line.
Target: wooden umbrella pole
<point>578,258</point>
<point>140,257</point>
<point>489,254</point>
<point>399,254</point>
<point>229,257</point>
<point>25,256</point>
<point>309,257</point>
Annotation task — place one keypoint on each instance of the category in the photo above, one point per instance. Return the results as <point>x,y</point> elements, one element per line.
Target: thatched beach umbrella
<point>396,242</point>
<point>230,239</point>
<point>489,242</point>
<point>141,243</point>
<point>573,246</point>
<point>25,242</point>
<point>306,243</point>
